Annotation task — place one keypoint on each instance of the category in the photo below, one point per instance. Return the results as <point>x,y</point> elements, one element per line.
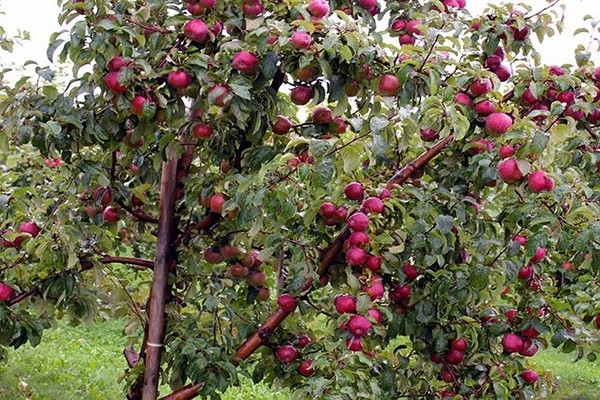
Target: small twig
<point>542,10</point>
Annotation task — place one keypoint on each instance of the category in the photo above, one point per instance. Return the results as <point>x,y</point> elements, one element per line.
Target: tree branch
<point>185,393</point>
<point>402,176</point>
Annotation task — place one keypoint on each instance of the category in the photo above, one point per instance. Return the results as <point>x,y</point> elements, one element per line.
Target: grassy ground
<point>86,363</point>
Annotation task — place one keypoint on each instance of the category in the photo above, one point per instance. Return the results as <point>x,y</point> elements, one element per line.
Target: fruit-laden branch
<point>329,255</point>
<point>163,263</point>
<point>85,265</point>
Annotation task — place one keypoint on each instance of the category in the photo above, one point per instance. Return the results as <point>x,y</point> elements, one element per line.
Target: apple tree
<point>354,199</point>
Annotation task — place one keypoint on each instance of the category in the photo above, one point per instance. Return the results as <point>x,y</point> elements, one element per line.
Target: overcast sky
<point>38,17</point>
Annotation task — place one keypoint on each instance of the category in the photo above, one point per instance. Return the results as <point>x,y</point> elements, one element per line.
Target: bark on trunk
<point>165,261</point>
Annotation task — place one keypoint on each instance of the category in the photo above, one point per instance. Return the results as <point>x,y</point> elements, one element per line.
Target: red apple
<point>358,222</point>
<point>111,81</point>
<point>389,85</point>
<point>202,131</point>
<point>318,8</point>
<point>356,257</point>
<point>498,123</point>
<point>287,354</point>
<point>375,315</point>
<point>301,95</point>
<point>257,278</point>
<point>196,31</point>
<point>219,95</point>
<point>327,210</point>
<point>464,99</point>
<point>358,239</point>
<point>354,344</point>
<point>509,171</point>
<point>526,272</point>
<point>539,254</point>
<point>373,205</point>
<point>110,215</point>
<point>244,61</point>
<point>179,79</point>
<point>301,40</point>
<point>411,272</point>
<point>30,228</point>
<point>484,107</point>
<point>287,302</point>
<point>216,203</point>
<point>359,325</point>
<point>6,292</point>
<point>353,191</point>
<point>116,63</point>
<point>512,343</point>
<point>374,263</point>
<point>454,357</point>
<point>374,289</point>
<point>459,344</point>
<point>480,87</point>
<point>345,304</point>
<point>322,115</point>
<point>506,151</point>
<point>137,104</point>
<point>305,368</point>
<point>428,135</point>
<point>282,125</point>
<point>529,376</point>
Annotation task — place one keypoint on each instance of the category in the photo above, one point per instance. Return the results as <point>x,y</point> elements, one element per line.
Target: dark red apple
<point>111,81</point>
<point>318,8</point>
<point>6,292</point>
<point>244,61</point>
<point>179,79</point>
<point>110,215</point>
<point>345,304</point>
<point>305,368</point>
<point>216,203</point>
<point>359,325</point>
<point>512,343</point>
<point>287,302</point>
<point>301,95</point>
<point>282,125</point>
<point>197,31</point>
<point>373,205</point>
<point>356,257</point>
<point>202,131</point>
<point>529,376</point>
<point>480,87</point>
<point>30,228</point>
<point>353,191</point>
<point>358,222</point>
<point>287,354</point>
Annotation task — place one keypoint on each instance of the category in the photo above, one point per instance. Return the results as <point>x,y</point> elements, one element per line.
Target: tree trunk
<point>165,261</point>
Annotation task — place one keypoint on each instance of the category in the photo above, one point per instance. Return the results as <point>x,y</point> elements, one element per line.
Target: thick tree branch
<point>402,176</point>
<point>185,393</point>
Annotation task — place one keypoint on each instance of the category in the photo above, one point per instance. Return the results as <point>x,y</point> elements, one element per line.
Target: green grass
<point>86,362</point>
<point>575,381</point>
<point>83,362</point>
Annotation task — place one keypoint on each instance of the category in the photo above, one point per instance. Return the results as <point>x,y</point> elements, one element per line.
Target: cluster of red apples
<point>26,230</point>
